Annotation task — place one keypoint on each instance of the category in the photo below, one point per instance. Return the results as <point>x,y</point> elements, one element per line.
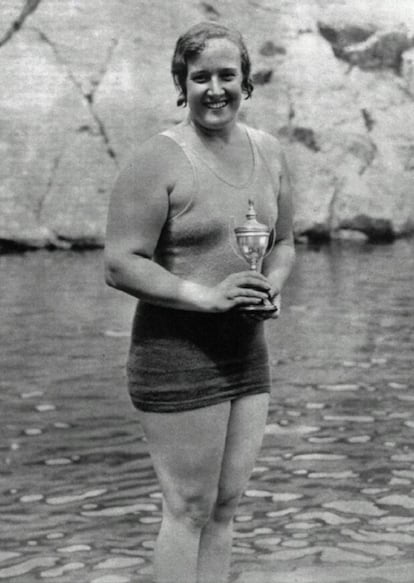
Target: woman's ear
<point>182,99</point>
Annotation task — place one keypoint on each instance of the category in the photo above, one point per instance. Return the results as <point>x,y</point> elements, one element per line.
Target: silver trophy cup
<point>253,245</point>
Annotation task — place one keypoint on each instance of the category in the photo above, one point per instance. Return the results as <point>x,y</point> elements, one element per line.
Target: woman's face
<point>214,85</point>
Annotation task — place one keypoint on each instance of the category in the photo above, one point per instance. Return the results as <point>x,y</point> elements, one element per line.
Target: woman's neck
<point>222,135</point>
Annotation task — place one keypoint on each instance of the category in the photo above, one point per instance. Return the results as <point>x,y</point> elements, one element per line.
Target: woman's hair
<point>192,43</point>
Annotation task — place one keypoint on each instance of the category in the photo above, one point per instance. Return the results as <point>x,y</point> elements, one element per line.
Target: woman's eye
<point>228,75</point>
<point>199,78</point>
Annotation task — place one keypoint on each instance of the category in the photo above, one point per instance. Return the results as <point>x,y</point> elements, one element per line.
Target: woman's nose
<point>215,87</point>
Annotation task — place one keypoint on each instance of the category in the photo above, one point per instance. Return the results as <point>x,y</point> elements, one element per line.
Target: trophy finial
<point>251,213</point>
<point>252,224</point>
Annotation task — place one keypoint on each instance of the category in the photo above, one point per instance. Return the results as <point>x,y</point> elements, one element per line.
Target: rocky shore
<point>86,82</point>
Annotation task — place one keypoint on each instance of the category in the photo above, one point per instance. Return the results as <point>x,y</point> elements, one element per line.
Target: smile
<point>216,104</point>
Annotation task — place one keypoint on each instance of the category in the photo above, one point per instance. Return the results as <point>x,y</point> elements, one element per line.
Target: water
<point>332,496</point>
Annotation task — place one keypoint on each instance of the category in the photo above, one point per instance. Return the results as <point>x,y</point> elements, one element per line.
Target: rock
<point>87,82</point>
<point>14,16</point>
<point>262,76</point>
<point>306,136</point>
<point>270,49</point>
<point>375,204</point>
<point>76,204</point>
<point>382,50</point>
<point>39,109</point>
<point>210,11</point>
<point>366,47</point>
<point>407,69</point>
<point>314,187</point>
<point>14,237</point>
<point>343,35</point>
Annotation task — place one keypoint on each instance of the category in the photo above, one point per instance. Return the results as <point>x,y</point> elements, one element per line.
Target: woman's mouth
<point>216,104</point>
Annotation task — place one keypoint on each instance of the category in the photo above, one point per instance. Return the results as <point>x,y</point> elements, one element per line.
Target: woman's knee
<point>192,508</point>
<point>226,505</point>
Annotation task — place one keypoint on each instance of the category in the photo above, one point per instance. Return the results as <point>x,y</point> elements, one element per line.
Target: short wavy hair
<point>192,43</point>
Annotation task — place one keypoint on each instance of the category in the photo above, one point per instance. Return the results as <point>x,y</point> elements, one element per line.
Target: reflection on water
<point>331,498</point>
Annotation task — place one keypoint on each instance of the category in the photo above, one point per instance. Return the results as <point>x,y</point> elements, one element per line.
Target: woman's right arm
<point>137,213</point>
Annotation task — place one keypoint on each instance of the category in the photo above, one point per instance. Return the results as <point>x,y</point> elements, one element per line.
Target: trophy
<point>253,244</point>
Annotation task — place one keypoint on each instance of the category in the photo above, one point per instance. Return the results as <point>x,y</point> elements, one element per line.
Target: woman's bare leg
<point>247,422</point>
<point>187,451</point>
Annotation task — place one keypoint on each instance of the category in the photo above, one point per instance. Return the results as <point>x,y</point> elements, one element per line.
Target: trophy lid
<point>251,225</point>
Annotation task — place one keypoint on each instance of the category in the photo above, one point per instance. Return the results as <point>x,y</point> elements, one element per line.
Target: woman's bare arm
<point>278,265</point>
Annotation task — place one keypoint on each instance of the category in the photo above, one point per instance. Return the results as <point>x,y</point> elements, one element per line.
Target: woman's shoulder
<point>159,148</point>
<point>265,141</point>
<point>150,170</point>
<point>158,159</point>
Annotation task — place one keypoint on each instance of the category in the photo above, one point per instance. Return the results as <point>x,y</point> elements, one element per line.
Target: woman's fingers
<point>246,300</point>
<point>251,279</point>
<point>251,276</point>
<point>243,288</point>
<point>247,293</point>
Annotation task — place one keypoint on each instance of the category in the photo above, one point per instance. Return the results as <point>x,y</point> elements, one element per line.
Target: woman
<point>198,370</point>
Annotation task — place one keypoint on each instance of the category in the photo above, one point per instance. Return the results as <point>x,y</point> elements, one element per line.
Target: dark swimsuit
<point>181,360</point>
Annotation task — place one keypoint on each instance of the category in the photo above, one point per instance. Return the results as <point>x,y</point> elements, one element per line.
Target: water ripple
<point>332,490</point>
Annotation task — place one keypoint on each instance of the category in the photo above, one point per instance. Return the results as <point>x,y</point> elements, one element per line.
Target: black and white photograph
<point>207,291</point>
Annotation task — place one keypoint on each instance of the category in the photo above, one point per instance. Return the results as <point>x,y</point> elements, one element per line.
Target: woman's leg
<point>187,451</point>
<point>245,431</point>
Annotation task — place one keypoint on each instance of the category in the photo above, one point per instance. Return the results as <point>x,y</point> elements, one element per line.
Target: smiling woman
<point>198,369</point>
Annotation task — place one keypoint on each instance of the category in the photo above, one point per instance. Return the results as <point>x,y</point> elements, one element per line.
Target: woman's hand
<point>239,289</point>
<point>258,315</point>
<point>277,301</point>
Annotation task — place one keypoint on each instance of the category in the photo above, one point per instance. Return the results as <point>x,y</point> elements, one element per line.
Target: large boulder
<point>407,69</point>
<point>84,82</point>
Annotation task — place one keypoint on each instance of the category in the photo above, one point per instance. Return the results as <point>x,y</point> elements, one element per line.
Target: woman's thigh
<point>245,432</point>
<point>187,450</point>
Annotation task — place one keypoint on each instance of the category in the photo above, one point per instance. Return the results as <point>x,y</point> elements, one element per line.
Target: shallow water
<point>332,496</point>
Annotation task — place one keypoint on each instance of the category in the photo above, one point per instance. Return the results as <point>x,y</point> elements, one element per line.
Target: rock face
<point>84,82</point>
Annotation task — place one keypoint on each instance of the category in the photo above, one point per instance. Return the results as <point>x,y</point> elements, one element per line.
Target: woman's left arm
<point>278,264</point>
